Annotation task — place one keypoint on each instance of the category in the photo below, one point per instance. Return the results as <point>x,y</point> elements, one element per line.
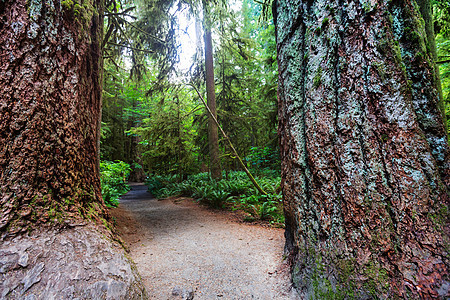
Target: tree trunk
<point>365,157</point>
<point>213,134</point>
<point>430,42</point>
<point>50,103</point>
<point>50,98</point>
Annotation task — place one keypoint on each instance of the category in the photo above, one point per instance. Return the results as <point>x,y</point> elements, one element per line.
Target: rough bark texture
<point>49,110</point>
<point>78,263</point>
<point>365,155</point>
<point>213,134</point>
<point>50,97</point>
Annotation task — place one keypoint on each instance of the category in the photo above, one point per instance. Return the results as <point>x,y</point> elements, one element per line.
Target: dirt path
<point>182,247</point>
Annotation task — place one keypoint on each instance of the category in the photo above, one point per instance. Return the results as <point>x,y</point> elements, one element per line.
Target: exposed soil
<point>181,247</point>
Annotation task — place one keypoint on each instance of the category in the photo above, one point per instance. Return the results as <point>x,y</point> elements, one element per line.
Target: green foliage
<point>167,134</point>
<point>263,207</point>
<point>113,178</point>
<point>246,81</point>
<point>263,158</point>
<point>235,193</point>
<point>441,17</point>
<point>157,122</point>
<point>124,104</point>
<point>443,49</point>
<point>157,184</point>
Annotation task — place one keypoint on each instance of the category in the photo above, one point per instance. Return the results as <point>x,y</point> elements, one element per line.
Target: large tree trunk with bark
<point>364,150</point>
<point>50,103</point>
<point>50,99</point>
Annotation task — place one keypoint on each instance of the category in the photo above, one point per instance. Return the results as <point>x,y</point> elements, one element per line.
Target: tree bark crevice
<point>358,170</point>
<point>53,221</point>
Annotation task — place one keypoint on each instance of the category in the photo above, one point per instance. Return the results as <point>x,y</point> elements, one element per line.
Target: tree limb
<point>119,14</point>
<point>130,47</point>
<point>144,32</point>
<point>250,176</point>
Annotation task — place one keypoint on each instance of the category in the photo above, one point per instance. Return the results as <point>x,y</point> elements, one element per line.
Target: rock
<point>32,277</point>
<point>176,291</point>
<point>8,260</point>
<point>185,294</point>
<point>23,260</point>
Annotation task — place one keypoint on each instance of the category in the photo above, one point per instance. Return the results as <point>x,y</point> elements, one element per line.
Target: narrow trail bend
<point>182,248</point>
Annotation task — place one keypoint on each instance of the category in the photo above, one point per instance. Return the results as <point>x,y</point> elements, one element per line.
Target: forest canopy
<point>152,117</point>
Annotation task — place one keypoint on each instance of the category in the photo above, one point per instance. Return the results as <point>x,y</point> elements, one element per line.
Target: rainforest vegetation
<point>328,118</point>
<point>154,124</point>
<point>335,154</point>
<point>154,121</point>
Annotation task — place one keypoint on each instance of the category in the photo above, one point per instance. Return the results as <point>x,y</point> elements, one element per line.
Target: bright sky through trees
<point>187,38</point>
<point>186,35</point>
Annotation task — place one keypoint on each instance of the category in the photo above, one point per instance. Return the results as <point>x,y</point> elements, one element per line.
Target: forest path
<point>182,247</point>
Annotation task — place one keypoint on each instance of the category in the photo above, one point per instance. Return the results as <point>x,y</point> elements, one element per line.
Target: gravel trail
<point>181,248</point>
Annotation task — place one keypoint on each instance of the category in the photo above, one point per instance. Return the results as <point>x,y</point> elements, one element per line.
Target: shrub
<point>263,158</point>
<point>236,192</point>
<point>113,179</point>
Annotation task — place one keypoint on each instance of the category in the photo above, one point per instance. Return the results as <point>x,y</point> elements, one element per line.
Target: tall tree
<point>364,150</point>
<point>50,97</point>
<point>213,133</point>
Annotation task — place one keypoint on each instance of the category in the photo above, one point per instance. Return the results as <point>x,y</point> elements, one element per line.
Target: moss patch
<point>318,78</point>
<point>81,11</point>
<point>377,279</point>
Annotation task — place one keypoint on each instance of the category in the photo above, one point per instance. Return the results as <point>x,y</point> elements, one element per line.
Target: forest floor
<point>182,248</point>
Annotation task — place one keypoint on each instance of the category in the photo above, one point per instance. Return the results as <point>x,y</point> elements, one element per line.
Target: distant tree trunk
<point>213,134</point>
<point>50,98</point>
<point>365,157</point>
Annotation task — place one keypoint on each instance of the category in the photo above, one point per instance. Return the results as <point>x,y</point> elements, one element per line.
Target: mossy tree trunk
<point>50,98</point>
<point>51,243</point>
<point>213,133</point>
<point>364,150</point>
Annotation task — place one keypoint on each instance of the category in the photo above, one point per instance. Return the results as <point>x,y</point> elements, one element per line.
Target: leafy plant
<point>265,210</point>
<point>113,179</point>
<point>262,158</point>
<point>217,198</point>
<point>235,193</point>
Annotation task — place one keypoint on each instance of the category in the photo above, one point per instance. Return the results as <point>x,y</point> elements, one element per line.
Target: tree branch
<point>144,32</point>
<point>119,14</point>
<point>259,2</point>
<point>130,47</point>
<point>252,179</point>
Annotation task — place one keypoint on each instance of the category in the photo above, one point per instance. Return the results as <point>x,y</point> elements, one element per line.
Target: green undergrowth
<point>234,192</point>
<point>113,178</point>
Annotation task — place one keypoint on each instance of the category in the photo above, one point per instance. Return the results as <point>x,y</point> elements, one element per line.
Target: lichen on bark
<point>364,151</point>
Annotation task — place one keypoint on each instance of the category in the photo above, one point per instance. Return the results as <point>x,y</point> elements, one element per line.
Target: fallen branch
<point>250,176</point>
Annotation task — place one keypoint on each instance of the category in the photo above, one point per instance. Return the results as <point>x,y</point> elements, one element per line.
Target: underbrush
<point>113,179</point>
<point>236,192</point>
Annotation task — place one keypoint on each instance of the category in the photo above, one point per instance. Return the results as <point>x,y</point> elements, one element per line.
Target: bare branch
<point>250,176</point>
<point>130,47</point>
<point>144,32</point>
<point>119,14</point>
